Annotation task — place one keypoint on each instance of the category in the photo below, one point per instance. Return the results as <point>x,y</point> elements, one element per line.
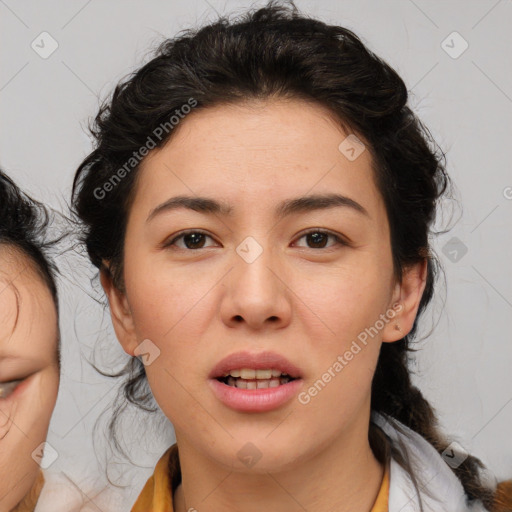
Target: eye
<point>319,237</point>
<point>7,388</point>
<point>192,239</point>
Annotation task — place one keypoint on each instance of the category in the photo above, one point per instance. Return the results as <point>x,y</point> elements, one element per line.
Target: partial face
<point>29,374</point>
<point>302,282</point>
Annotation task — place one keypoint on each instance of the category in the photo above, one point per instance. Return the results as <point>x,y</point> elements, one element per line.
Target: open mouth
<point>255,383</point>
<point>255,379</point>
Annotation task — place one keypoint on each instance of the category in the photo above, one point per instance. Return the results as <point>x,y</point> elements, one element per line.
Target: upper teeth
<point>248,373</point>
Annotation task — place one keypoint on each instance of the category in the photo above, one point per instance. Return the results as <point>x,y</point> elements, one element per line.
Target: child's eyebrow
<point>287,207</point>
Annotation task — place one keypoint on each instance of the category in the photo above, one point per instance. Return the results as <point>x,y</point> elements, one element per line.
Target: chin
<point>249,454</point>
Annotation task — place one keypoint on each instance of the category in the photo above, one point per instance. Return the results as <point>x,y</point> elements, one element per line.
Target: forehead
<point>28,317</point>
<point>270,149</point>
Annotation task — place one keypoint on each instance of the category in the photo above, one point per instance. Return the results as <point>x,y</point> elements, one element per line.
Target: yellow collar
<point>29,501</point>
<point>157,494</point>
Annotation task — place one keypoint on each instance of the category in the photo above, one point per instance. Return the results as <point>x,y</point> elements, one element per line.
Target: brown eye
<point>318,239</point>
<point>191,240</point>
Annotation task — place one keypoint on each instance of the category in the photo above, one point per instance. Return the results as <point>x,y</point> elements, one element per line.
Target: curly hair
<point>23,225</point>
<point>276,51</point>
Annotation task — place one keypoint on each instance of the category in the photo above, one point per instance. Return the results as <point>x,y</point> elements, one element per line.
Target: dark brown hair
<point>276,51</point>
<point>24,226</point>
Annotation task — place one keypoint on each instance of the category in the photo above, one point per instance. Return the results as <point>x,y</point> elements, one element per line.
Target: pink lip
<point>260,361</point>
<point>255,400</point>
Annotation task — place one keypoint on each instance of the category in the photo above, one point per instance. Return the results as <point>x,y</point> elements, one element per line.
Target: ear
<point>406,298</point>
<point>122,319</point>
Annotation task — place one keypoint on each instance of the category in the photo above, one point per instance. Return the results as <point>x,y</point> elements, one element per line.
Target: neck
<point>28,502</point>
<point>343,476</point>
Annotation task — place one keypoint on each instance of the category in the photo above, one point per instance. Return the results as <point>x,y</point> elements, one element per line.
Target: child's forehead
<point>17,271</point>
<point>29,331</point>
<point>24,296</point>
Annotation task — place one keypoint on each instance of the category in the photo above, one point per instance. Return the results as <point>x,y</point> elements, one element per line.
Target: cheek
<point>341,304</point>
<point>24,421</point>
<point>339,391</point>
<point>340,314</point>
<point>172,307</point>
<point>178,389</point>
<point>161,295</point>
<point>35,403</point>
<point>7,413</point>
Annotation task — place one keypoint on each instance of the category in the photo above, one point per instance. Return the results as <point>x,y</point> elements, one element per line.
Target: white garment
<point>61,494</point>
<point>431,472</point>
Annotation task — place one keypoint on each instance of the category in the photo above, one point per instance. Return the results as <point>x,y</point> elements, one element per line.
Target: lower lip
<point>255,400</point>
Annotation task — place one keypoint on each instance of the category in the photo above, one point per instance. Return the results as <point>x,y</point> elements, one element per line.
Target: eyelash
<point>10,389</point>
<point>336,237</point>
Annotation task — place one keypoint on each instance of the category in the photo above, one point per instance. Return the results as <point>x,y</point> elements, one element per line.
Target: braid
<point>394,394</point>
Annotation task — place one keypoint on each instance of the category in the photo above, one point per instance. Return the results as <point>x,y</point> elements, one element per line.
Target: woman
<point>258,204</point>
<point>29,348</point>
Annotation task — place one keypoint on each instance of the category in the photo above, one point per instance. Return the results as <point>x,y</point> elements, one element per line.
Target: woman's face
<point>29,375</point>
<point>254,281</point>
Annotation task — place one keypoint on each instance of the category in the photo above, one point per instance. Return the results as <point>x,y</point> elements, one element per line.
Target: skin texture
<point>306,303</point>
<point>28,350</point>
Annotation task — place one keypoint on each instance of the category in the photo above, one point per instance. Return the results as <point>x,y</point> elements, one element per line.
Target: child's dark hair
<point>278,52</point>
<point>24,224</point>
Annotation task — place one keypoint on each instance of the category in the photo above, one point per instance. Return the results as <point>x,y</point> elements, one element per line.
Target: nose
<point>256,294</point>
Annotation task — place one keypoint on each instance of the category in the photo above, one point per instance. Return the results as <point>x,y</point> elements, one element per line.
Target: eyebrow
<point>287,207</point>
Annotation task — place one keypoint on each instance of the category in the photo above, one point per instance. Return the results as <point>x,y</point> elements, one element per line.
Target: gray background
<point>464,366</point>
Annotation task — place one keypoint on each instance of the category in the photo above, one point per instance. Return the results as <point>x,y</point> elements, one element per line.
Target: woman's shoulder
<point>437,485</point>
<point>29,501</point>
<point>157,493</point>
<point>61,493</point>
<point>503,499</point>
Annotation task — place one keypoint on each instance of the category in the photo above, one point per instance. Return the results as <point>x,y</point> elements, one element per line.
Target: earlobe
<point>120,312</point>
<point>408,295</point>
